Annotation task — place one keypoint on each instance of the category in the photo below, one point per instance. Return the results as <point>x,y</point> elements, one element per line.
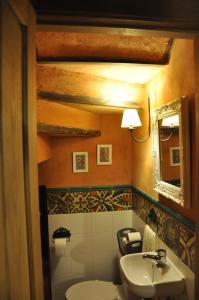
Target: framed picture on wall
<point>80,162</point>
<point>104,154</point>
<point>174,156</point>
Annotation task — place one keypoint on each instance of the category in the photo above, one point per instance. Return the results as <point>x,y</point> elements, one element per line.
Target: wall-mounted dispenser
<point>60,237</point>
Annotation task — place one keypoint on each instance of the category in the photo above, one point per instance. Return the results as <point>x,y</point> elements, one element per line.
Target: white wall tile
<point>81,265</point>
<point>80,243</point>
<point>121,219</point>
<point>102,241</point>
<point>115,245</point>
<point>60,268</point>
<point>80,223</point>
<point>101,221</point>
<point>102,266</point>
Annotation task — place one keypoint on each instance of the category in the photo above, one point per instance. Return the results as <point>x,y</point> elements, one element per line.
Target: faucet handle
<point>161,252</point>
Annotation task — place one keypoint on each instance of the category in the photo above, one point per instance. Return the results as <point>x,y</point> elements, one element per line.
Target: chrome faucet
<point>159,258</point>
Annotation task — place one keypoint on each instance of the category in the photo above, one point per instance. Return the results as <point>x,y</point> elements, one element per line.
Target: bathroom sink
<point>144,278</point>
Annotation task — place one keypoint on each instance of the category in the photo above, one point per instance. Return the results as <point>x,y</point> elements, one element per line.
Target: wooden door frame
<point>25,17</point>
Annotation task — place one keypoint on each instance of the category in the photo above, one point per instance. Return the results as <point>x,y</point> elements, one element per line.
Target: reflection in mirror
<point>169,149</point>
<point>171,157</point>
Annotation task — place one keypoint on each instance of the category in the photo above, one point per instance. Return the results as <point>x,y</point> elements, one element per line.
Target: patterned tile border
<point>89,199</point>
<point>178,235</point>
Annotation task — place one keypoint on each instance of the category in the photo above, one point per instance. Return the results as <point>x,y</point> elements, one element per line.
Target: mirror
<point>171,151</point>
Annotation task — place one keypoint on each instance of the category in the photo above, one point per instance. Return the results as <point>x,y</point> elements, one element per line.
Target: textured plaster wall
<point>57,171</point>
<point>44,151</point>
<point>176,79</point>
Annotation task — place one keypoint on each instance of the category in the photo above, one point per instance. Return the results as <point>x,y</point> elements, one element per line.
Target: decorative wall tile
<point>92,200</point>
<point>101,201</point>
<point>178,237</point>
<point>57,203</point>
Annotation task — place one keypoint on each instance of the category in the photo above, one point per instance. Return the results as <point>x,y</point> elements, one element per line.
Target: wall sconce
<point>131,120</point>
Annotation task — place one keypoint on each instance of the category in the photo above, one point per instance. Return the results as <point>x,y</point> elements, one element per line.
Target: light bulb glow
<point>172,121</point>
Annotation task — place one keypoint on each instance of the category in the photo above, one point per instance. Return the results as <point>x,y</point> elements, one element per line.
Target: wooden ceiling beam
<point>56,130</point>
<point>66,99</point>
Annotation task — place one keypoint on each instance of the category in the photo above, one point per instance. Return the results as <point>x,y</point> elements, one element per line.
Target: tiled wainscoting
<point>93,217</point>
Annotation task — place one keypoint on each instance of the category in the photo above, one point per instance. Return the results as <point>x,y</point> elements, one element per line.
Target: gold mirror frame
<point>182,194</point>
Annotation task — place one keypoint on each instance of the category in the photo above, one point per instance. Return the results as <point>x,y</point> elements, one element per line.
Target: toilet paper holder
<point>61,232</point>
<point>130,246</point>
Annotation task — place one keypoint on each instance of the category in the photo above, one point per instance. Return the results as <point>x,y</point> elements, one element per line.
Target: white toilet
<point>95,290</point>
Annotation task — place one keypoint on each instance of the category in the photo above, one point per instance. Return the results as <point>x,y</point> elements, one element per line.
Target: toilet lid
<point>94,290</point>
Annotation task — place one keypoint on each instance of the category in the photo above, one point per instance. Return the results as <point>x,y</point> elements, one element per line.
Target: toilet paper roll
<point>60,246</point>
<point>133,236</point>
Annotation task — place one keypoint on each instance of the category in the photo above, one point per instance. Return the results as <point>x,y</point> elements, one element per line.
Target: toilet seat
<point>94,290</point>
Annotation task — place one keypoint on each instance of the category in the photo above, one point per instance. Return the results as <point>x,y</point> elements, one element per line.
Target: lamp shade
<point>130,119</point>
<point>172,121</point>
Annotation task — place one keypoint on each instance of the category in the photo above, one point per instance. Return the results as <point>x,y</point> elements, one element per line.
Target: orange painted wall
<point>44,151</point>
<point>57,171</point>
<point>176,79</point>
<point>60,114</point>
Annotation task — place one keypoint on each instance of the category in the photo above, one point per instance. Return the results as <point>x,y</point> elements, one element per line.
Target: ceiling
<point>109,71</point>
<point>66,46</point>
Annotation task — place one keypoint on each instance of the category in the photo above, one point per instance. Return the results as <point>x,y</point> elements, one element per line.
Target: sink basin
<point>143,278</point>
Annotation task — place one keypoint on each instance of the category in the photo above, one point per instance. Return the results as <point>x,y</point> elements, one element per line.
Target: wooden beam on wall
<point>167,52</point>
<point>53,81</point>
<point>66,99</point>
<point>56,130</point>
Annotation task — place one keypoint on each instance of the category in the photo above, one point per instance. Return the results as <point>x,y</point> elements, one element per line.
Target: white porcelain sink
<point>145,279</point>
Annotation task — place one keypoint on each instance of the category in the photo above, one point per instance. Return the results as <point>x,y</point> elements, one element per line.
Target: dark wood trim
<point>173,10</point>
<point>56,130</point>
<point>167,52</point>
<point>195,185</point>
<point>134,23</point>
<point>66,98</point>
<point>86,59</point>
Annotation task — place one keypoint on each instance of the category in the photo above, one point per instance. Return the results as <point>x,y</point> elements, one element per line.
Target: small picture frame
<point>80,162</point>
<point>174,156</point>
<point>104,154</point>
